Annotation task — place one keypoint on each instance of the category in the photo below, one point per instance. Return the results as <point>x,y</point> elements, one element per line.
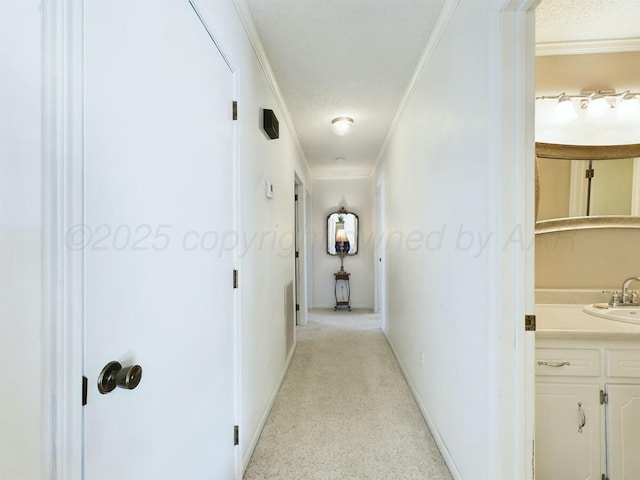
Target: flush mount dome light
<point>342,125</point>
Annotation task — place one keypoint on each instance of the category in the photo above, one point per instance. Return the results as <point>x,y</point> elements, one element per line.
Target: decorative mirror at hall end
<point>342,233</point>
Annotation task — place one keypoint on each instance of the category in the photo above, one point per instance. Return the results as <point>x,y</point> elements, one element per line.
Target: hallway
<point>344,410</point>
<point>142,185</point>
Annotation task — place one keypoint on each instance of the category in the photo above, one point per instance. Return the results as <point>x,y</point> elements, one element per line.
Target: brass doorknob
<point>114,375</point>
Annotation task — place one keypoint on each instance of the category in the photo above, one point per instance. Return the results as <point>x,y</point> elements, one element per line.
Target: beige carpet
<point>344,410</point>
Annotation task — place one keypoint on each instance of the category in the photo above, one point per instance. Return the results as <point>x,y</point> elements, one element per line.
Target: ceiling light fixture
<point>595,103</point>
<point>342,125</point>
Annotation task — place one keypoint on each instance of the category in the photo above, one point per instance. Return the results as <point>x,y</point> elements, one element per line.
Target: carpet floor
<point>344,410</point>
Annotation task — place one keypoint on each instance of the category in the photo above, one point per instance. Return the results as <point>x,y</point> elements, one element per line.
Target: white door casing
<point>379,239</point>
<point>297,250</point>
<point>157,239</point>
<point>515,351</point>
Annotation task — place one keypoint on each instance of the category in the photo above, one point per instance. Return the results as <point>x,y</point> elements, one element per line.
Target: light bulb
<point>597,107</point>
<point>564,112</point>
<point>629,109</point>
<point>342,125</point>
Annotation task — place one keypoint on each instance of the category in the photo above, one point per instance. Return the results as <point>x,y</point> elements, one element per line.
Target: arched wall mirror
<point>579,186</point>
<point>342,233</point>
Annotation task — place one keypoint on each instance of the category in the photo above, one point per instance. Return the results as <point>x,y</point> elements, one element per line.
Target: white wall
<point>266,249</point>
<point>21,273</point>
<point>264,258</point>
<point>440,251</point>
<point>356,196</point>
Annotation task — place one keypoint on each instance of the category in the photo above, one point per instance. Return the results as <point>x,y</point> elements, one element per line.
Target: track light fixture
<point>596,103</point>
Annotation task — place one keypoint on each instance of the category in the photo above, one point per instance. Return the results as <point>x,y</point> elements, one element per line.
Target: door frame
<point>513,346</point>
<point>379,251</point>
<point>300,241</point>
<point>63,325</point>
<point>63,290</point>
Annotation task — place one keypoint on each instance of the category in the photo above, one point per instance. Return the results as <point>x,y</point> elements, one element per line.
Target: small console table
<point>342,290</point>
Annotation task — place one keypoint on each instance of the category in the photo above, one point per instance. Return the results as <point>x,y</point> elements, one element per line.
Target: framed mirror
<point>579,186</point>
<point>342,233</point>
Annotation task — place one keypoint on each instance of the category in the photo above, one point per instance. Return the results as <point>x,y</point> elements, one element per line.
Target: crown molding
<point>261,54</point>
<point>446,13</point>
<point>583,47</point>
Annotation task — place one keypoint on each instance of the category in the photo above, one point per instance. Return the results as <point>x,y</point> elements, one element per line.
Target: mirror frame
<point>343,211</point>
<point>583,152</point>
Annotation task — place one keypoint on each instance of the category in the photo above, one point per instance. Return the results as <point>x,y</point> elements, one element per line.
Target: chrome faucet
<point>625,298</point>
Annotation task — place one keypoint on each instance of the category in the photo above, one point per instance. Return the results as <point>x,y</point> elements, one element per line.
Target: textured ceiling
<point>356,57</point>
<point>576,20</point>
<point>343,58</point>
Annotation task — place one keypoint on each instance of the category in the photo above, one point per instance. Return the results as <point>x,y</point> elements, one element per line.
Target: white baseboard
<point>263,419</point>
<point>448,459</point>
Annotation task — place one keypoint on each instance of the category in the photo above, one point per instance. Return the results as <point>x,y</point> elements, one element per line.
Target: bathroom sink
<point>620,314</point>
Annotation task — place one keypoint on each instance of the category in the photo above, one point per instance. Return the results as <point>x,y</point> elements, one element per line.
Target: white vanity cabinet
<point>569,420</point>
<point>568,431</point>
<point>587,409</point>
<point>623,412</point>
<point>623,431</point>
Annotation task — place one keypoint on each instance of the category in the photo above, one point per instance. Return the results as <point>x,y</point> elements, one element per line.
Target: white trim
<point>309,235</point>
<point>258,48</point>
<point>302,248</point>
<point>514,277</point>
<point>265,414</point>
<point>237,261</point>
<point>444,451</point>
<point>379,299</point>
<point>439,28</point>
<point>377,217</point>
<point>213,38</point>
<point>582,47</point>
<point>63,208</point>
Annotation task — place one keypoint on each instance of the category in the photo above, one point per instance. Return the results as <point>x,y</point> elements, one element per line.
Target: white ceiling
<point>343,58</point>
<point>356,58</point>
<point>580,20</point>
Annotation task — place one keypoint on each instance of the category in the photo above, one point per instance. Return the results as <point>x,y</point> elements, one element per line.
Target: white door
<point>623,431</point>
<point>379,239</point>
<point>568,434</point>
<point>296,240</point>
<point>158,272</point>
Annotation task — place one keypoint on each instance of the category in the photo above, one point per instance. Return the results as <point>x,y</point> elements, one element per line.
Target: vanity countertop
<point>569,321</point>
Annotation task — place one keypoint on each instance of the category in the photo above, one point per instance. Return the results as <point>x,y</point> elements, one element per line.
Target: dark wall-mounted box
<point>270,124</point>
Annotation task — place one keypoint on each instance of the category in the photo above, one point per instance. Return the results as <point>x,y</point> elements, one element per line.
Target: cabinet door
<point>623,432</point>
<point>568,432</point>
